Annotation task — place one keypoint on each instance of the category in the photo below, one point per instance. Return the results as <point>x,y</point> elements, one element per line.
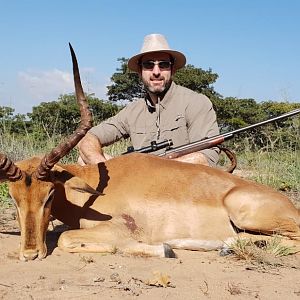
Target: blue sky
<point>253,45</point>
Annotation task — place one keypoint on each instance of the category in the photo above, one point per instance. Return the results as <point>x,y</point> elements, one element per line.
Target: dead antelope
<point>138,203</point>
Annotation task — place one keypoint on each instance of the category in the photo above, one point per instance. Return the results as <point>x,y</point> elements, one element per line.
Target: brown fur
<point>137,203</point>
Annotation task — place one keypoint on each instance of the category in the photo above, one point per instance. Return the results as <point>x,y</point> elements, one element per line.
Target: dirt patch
<point>193,275</point>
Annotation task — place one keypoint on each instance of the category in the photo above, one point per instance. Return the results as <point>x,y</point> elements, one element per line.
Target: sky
<point>253,45</point>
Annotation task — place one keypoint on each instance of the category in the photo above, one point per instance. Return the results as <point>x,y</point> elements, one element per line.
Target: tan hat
<point>156,43</point>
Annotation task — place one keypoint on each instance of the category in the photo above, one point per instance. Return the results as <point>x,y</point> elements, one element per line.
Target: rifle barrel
<point>283,116</point>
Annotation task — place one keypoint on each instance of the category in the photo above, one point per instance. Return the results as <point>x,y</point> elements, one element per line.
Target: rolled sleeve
<point>112,129</point>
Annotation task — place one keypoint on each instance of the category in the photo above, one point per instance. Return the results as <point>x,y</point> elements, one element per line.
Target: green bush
<point>4,195</point>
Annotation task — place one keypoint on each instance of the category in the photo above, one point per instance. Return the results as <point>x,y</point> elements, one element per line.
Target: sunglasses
<point>163,65</point>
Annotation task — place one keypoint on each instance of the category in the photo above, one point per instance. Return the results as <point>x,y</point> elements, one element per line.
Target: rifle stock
<point>193,147</point>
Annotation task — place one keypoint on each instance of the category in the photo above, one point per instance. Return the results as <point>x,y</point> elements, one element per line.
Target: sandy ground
<point>193,275</point>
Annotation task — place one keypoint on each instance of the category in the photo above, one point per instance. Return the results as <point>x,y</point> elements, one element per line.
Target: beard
<point>157,89</point>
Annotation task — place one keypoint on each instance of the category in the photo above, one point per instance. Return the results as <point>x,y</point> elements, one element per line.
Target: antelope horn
<point>232,157</point>
<point>13,173</point>
<point>49,160</point>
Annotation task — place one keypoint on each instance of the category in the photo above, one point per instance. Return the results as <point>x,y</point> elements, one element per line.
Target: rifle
<point>204,143</point>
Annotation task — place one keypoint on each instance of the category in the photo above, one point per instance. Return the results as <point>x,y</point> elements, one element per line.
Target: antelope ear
<point>77,191</point>
<point>61,175</point>
<point>79,185</point>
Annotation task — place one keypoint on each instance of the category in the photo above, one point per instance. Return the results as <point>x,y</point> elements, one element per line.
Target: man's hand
<point>90,151</point>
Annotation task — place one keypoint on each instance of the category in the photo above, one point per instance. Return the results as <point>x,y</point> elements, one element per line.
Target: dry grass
<point>278,169</point>
<point>263,252</point>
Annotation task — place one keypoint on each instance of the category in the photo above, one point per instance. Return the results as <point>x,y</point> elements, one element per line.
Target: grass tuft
<point>262,251</point>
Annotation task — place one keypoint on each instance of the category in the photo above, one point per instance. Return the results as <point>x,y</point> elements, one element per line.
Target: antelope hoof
<point>29,255</point>
<point>169,253</point>
<point>226,252</point>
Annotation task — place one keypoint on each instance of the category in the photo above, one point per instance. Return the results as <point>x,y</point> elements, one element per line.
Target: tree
<point>6,115</point>
<point>10,123</point>
<point>126,85</point>
<point>197,80</point>
<point>6,112</point>
<point>62,116</point>
<point>234,113</point>
<point>280,133</point>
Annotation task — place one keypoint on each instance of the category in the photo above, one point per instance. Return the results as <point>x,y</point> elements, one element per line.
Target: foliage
<point>233,113</point>
<point>263,251</point>
<point>197,80</point>
<point>6,112</point>
<point>62,116</point>
<point>126,85</point>
<point>278,169</point>
<point>46,126</point>
<point>4,195</point>
<point>10,122</point>
<point>285,132</point>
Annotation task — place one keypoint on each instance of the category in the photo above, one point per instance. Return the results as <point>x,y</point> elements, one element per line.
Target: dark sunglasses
<point>163,65</point>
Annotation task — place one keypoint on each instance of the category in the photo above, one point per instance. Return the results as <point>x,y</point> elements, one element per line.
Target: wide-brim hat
<point>156,43</point>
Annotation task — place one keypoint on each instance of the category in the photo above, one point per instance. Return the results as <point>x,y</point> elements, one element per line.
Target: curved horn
<point>49,160</point>
<point>232,157</point>
<point>12,172</point>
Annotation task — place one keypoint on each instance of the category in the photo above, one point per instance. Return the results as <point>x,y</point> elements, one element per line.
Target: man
<point>167,111</point>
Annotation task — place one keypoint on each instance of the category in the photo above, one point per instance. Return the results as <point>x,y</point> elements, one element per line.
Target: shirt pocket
<point>176,130</point>
<point>141,137</point>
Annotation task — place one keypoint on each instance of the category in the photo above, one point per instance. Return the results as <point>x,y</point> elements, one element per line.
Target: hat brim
<point>179,59</point>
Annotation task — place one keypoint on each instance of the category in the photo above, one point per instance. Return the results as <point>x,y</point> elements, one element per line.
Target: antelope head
<point>31,183</point>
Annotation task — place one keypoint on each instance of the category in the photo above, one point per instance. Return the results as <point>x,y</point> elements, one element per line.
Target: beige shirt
<point>182,115</point>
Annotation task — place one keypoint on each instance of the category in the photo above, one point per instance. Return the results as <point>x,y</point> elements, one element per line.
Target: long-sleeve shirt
<point>182,115</point>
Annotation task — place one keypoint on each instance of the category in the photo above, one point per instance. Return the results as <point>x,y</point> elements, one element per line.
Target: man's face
<point>156,78</point>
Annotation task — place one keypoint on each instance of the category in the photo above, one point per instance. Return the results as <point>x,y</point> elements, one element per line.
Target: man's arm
<point>104,134</point>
